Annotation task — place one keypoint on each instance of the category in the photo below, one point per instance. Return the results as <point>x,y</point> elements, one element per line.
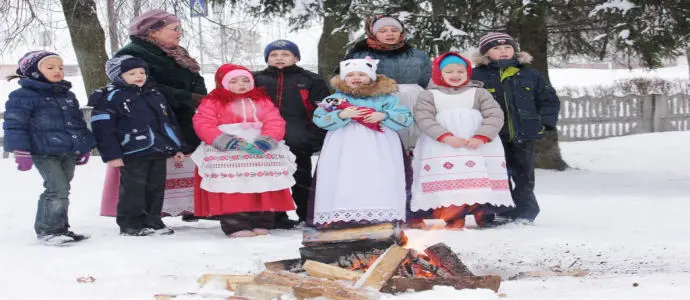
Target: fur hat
<point>366,65</point>
<point>151,20</point>
<point>118,65</point>
<point>28,64</point>
<point>281,45</point>
<point>493,39</point>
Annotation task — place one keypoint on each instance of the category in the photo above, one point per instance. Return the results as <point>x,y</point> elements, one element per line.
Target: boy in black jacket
<point>530,106</point>
<point>136,131</point>
<point>296,92</point>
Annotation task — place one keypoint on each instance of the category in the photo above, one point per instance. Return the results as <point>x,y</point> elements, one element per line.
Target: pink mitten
<point>23,160</point>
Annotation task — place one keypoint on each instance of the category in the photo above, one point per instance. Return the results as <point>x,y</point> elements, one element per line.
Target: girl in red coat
<point>244,169</point>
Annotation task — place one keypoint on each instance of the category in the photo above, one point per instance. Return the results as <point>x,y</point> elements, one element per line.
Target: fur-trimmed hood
<point>483,60</point>
<point>382,86</point>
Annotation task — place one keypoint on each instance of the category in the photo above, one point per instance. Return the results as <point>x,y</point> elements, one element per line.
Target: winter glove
<point>265,143</point>
<point>23,160</point>
<point>227,142</point>
<point>83,159</point>
<point>251,149</point>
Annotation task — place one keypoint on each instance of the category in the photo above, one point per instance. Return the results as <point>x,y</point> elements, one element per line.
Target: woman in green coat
<point>155,38</point>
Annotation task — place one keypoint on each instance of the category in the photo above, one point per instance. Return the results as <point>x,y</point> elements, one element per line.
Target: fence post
<point>660,112</point>
<point>648,107</point>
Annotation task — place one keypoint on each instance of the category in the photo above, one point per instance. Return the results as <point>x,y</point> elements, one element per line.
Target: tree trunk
<point>437,12</point>
<point>530,31</point>
<point>136,8</point>
<point>687,56</point>
<point>332,44</point>
<point>112,27</point>
<point>88,41</point>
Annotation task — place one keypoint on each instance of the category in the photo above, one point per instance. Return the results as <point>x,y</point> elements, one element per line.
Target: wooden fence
<point>590,118</point>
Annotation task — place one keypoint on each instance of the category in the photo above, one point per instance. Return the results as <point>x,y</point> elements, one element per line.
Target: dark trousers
<point>302,187</point>
<point>57,172</point>
<point>232,223</point>
<point>142,187</point>
<point>520,165</point>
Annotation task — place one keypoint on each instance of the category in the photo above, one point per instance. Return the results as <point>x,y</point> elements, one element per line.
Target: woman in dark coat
<point>155,38</point>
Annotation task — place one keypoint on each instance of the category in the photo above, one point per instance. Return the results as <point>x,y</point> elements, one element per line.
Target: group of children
<point>259,131</point>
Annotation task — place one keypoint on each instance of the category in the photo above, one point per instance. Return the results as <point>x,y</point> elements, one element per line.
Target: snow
<point>620,213</point>
<point>622,5</point>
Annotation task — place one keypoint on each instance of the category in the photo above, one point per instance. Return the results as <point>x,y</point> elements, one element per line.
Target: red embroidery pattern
<point>470,163</point>
<point>448,165</point>
<point>179,183</point>
<point>427,167</point>
<point>458,184</point>
<point>500,185</point>
<point>503,164</point>
<point>246,174</point>
<point>179,165</point>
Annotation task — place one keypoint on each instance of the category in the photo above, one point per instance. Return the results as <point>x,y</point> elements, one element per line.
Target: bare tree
<point>136,5</point>
<point>112,26</point>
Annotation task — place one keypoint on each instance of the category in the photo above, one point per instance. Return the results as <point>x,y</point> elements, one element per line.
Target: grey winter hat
<point>121,64</point>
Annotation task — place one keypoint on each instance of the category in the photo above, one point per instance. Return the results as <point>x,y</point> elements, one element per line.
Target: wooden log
<point>332,252</point>
<point>442,256</point>
<point>310,287</point>
<point>383,268</point>
<point>402,284</point>
<point>230,281</point>
<point>262,291</point>
<point>384,231</point>
<point>203,295</point>
<point>290,265</point>
<point>321,270</point>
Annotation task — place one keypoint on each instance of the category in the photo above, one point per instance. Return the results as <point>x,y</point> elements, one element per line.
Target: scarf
<point>178,53</point>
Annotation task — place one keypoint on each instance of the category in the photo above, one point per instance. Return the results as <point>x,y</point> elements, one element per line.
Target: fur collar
<point>483,60</point>
<point>382,86</point>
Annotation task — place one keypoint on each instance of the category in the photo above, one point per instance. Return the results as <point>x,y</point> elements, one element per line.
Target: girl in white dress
<point>360,174</point>
<point>459,164</point>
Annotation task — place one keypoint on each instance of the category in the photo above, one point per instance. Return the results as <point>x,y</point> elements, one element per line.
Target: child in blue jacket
<point>44,127</point>
<point>530,106</point>
<point>136,131</point>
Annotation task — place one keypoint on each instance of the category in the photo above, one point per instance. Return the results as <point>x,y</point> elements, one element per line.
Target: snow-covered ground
<point>621,213</point>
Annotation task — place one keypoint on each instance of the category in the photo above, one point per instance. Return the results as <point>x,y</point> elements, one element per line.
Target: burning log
<point>428,266</point>
<point>380,232</point>
<point>383,268</point>
<point>231,281</point>
<point>402,284</point>
<point>441,255</point>
<point>262,291</point>
<point>291,265</point>
<point>321,270</point>
<point>310,287</point>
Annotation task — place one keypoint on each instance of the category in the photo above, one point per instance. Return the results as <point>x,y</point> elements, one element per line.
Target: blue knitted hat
<point>281,45</point>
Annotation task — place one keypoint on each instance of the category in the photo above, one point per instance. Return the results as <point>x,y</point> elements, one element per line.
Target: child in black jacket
<point>296,92</point>
<point>136,131</point>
